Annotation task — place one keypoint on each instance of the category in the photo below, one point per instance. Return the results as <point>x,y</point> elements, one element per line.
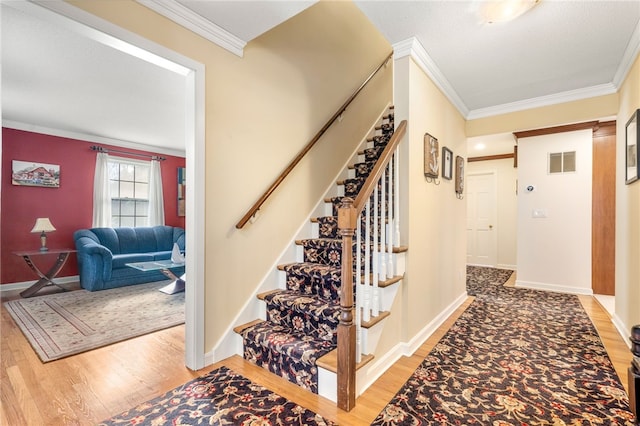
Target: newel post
<point>346,327</point>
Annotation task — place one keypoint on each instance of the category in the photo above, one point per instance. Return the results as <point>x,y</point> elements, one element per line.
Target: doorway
<point>482,242</point>
<point>88,25</point>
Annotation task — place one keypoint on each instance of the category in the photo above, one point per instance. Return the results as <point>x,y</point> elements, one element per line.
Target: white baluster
<point>376,253</point>
<point>366,303</point>
<point>383,218</point>
<point>396,213</point>
<point>390,269</point>
<point>358,286</point>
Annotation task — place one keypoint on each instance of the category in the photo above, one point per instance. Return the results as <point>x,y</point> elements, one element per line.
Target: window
<point>562,162</point>
<point>129,189</point>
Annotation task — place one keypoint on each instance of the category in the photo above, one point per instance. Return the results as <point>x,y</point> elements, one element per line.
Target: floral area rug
<point>514,357</point>
<point>221,397</point>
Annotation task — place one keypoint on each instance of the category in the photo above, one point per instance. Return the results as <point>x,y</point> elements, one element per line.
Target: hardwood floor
<point>87,388</point>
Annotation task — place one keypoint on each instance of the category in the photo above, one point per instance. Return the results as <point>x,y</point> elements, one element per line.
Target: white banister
<point>376,253</point>
<point>366,308</point>
<point>390,269</point>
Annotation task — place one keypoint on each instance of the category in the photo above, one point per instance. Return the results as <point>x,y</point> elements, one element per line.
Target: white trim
<point>193,22</point>
<point>401,349</point>
<point>413,48</point>
<point>19,286</point>
<point>556,98</point>
<point>17,125</point>
<point>630,54</point>
<point>557,288</point>
<point>194,73</point>
<point>622,329</point>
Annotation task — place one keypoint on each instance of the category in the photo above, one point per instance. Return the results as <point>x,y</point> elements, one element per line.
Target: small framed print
<point>431,154</point>
<point>447,163</point>
<point>632,137</point>
<point>459,175</point>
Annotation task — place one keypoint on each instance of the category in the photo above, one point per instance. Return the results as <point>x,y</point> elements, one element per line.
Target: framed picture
<point>431,154</point>
<point>459,175</point>
<point>632,137</point>
<point>182,183</point>
<point>29,173</point>
<point>447,163</point>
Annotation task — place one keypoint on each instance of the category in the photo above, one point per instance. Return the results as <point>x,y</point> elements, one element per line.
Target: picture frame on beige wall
<point>431,156</point>
<point>632,137</point>
<point>447,163</point>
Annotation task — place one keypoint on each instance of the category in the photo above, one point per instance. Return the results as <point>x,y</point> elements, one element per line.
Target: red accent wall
<point>69,207</point>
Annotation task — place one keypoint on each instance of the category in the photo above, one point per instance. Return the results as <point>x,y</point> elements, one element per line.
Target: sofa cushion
<point>121,260</point>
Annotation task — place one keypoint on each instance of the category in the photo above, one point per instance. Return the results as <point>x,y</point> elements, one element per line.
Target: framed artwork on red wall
<point>30,173</point>
<point>182,182</point>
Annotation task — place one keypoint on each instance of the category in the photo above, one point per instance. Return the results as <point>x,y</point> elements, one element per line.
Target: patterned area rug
<point>222,397</point>
<point>514,357</point>
<point>63,324</point>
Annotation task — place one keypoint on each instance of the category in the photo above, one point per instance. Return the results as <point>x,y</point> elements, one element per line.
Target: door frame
<point>105,32</point>
<point>494,178</point>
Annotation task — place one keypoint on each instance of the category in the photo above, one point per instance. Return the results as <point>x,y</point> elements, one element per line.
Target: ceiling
<point>558,51</point>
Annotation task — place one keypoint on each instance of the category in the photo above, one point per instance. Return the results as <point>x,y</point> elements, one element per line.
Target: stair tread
<point>330,361</point>
<point>306,265</point>
<point>299,346</point>
<point>240,328</point>
<point>375,320</point>
<point>300,302</point>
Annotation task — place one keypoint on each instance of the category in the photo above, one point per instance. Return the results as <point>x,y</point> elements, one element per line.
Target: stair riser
<point>325,253</point>
<point>319,327</point>
<point>313,283</point>
<point>298,373</point>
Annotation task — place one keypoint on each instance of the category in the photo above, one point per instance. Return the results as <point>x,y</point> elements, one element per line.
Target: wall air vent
<point>562,162</point>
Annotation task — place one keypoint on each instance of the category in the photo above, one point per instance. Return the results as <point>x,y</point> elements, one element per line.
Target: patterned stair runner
<point>302,319</point>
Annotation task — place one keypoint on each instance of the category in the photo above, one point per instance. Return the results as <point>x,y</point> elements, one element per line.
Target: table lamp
<point>43,225</point>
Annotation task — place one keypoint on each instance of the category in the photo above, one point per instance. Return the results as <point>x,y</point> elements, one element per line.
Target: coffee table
<point>163,266</point>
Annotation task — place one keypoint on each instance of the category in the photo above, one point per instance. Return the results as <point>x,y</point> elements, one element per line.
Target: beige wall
<point>432,218</point>
<point>627,215</point>
<point>260,111</point>
<point>507,206</point>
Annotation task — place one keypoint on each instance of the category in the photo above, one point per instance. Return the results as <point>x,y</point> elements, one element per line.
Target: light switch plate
<point>538,213</point>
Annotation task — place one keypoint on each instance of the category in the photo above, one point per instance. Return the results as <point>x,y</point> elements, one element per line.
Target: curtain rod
<point>105,150</point>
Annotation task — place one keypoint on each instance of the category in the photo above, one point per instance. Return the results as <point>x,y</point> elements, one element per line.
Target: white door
<point>482,240</point>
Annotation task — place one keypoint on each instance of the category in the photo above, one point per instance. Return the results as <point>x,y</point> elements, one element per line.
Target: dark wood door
<point>603,222</point>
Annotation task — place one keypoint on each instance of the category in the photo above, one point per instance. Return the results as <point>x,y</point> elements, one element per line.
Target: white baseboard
<point>553,287</point>
<point>14,287</point>
<point>505,266</point>
<point>379,367</point>
<point>623,330</point>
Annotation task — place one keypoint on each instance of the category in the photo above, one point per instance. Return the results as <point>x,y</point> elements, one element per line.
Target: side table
<point>46,279</point>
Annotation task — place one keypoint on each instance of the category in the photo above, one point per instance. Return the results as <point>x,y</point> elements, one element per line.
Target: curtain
<point>156,200</point>
<point>101,192</point>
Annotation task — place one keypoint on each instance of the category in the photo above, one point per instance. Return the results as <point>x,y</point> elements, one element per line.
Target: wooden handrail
<point>376,173</point>
<point>348,214</point>
<point>252,211</point>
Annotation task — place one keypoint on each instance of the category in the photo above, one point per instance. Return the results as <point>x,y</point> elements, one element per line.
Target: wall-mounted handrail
<point>254,209</point>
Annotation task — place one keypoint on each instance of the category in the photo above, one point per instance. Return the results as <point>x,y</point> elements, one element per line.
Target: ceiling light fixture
<point>493,11</point>
<point>480,146</point>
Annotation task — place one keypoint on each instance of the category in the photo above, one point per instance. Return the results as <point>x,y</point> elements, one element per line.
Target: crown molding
<point>542,101</point>
<point>187,18</point>
<point>414,49</point>
<point>86,137</point>
<point>630,54</point>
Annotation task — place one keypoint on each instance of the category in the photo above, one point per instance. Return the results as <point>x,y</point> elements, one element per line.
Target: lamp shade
<point>43,224</point>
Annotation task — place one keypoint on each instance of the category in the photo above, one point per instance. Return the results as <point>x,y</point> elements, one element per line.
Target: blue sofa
<point>104,252</point>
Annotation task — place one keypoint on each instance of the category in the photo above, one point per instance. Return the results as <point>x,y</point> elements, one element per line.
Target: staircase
<point>302,319</point>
